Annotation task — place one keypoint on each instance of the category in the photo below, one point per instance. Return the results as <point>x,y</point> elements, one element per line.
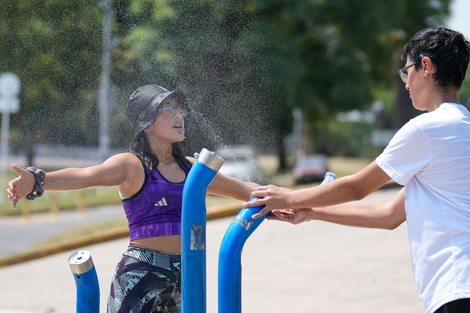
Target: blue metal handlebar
<point>230,269</point>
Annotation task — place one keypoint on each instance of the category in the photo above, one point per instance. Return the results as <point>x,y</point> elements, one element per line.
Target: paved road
<point>312,267</point>
<point>18,233</point>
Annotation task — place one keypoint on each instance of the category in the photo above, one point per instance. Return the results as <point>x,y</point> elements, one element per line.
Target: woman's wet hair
<point>141,148</point>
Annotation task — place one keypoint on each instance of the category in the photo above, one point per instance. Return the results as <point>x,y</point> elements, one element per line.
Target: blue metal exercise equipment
<point>230,254</point>
<point>86,281</point>
<point>193,231</point>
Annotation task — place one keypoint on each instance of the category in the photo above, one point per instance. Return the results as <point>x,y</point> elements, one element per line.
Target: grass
<point>61,201</point>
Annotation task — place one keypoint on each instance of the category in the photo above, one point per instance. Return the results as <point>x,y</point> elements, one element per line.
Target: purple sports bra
<point>155,210</point>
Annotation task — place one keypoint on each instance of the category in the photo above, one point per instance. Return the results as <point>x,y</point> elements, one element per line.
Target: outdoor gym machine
<point>193,232</point>
<point>230,269</point>
<point>230,254</point>
<point>86,281</point>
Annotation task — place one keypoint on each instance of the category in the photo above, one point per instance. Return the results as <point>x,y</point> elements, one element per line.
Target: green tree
<point>54,48</point>
<point>351,51</point>
<point>245,63</point>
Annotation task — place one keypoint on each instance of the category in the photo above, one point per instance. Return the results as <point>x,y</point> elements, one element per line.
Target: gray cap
<point>143,105</point>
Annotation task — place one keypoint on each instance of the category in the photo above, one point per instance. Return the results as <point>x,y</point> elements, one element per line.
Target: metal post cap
<point>210,159</point>
<point>80,262</point>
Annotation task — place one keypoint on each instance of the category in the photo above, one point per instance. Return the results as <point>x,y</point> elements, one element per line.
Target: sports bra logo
<point>161,202</point>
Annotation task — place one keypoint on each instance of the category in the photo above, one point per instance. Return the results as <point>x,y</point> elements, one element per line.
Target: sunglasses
<point>403,72</point>
<point>171,110</point>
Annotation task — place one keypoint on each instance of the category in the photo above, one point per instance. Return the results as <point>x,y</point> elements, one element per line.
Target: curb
<point>212,213</point>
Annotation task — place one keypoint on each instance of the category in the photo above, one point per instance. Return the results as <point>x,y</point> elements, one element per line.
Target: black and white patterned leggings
<point>146,281</point>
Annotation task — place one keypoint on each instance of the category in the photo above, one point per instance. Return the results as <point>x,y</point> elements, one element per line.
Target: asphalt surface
<point>18,233</point>
<point>312,267</point>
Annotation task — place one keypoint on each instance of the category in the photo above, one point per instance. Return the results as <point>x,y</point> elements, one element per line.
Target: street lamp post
<point>106,5</point>
<point>9,103</point>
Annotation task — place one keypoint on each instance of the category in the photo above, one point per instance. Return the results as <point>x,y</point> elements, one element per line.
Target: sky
<point>459,19</point>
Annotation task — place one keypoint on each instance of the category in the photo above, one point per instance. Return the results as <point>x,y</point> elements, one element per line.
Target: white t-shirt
<point>430,156</point>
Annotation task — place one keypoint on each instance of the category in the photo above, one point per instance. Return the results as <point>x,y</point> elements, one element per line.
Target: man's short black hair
<point>447,48</point>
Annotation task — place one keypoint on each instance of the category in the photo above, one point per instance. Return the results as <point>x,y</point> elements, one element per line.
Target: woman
<point>150,179</point>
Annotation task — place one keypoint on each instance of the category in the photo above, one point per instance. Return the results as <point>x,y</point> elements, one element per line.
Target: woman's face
<point>169,122</point>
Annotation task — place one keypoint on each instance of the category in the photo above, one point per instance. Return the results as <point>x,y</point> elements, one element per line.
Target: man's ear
<point>428,66</point>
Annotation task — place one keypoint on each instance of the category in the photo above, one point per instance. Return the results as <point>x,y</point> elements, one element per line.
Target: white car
<point>240,162</point>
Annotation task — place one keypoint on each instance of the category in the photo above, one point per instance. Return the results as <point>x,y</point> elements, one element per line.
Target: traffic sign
<point>9,84</point>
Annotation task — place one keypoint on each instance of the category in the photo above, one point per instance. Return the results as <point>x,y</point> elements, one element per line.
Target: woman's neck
<point>163,152</point>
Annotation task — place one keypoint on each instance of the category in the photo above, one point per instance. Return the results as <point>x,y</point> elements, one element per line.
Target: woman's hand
<point>21,186</point>
<point>291,216</point>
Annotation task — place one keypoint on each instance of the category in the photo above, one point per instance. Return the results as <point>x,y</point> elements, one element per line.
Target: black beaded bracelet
<point>39,177</point>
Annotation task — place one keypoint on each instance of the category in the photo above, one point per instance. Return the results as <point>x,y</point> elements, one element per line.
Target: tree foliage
<point>54,48</point>
<point>245,63</point>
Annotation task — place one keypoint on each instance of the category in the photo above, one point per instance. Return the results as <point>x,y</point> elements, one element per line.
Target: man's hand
<point>272,197</point>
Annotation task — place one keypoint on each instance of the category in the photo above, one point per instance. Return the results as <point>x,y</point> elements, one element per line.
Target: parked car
<point>310,168</point>
<point>240,162</point>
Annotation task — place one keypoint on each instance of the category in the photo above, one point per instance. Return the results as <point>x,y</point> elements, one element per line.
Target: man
<point>430,157</point>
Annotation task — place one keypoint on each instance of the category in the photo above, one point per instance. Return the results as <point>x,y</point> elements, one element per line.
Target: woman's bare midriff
<point>170,244</point>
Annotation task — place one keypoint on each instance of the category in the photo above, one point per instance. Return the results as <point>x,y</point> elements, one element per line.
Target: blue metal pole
<point>193,231</point>
<point>86,281</point>
<point>230,269</point>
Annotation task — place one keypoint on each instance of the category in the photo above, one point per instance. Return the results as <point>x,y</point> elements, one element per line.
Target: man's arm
<point>388,215</point>
<point>345,189</point>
